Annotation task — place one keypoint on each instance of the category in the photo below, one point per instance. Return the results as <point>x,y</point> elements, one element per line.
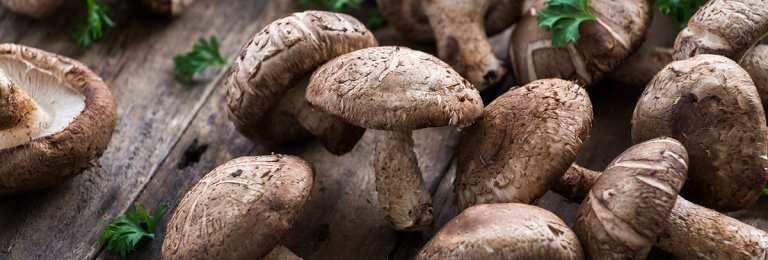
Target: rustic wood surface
<point>171,133</point>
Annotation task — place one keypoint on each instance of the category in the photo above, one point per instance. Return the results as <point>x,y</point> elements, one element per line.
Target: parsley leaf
<point>94,27</point>
<point>680,11</point>
<point>202,56</point>
<point>125,231</point>
<point>563,17</point>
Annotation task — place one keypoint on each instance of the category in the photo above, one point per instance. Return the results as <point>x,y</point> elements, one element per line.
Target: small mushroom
<point>460,29</point>
<point>37,9</point>
<point>395,90</point>
<point>619,30</point>
<point>243,216</point>
<point>56,119</point>
<point>164,7</point>
<point>523,143</point>
<point>623,213</point>
<point>263,98</point>
<point>503,231</point>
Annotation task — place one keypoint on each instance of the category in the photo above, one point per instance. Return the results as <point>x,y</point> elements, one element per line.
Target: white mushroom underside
<point>58,102</point>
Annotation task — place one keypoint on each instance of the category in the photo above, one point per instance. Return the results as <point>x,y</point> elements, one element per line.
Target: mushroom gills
<point>39,105</point>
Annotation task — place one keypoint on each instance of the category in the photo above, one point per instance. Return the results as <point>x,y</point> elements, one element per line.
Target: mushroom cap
<point>37,9</point>
<point>395,89</point>
<point>240,210</point>
<point>623,213</point>
<point>67,149</point>
<point>711,106</point>
<point>277,58</point>
<point>165,7</point>
<point>410,20</point>
<point>503,231</point>
<point>525,140</point>
<point>602,45</point>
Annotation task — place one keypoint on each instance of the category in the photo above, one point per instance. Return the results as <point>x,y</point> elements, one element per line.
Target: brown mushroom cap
<point>526,139</point>
<point>625,210</point>
<point>711,106</point>
<point>602,45</point>
<point>410,20</point>
<point>393,88</point>
<point>38,9</point>
<point>165,7</point>
<point>275,60</point>
<point>240,210</point>
<point>728,28</point>
<point>49,159</point>
<point>503,231</point>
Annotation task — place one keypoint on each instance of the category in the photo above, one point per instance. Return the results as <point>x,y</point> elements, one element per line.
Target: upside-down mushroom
<point>56,119</point>
<point>460,29</point>
<point>395,90</point>
<point>240,210</point>
<point>264,98</point>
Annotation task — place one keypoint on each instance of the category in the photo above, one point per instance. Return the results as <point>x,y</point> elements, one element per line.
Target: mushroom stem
<point>281,253</point>
<point>336,136</point>
<point>695,232</point>
<point>461,40</point>
<point>403,197</point>
<point>17,109</point>
<point>576,183</point>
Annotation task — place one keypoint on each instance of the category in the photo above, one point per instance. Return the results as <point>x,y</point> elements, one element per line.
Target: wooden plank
<point>153,109</point>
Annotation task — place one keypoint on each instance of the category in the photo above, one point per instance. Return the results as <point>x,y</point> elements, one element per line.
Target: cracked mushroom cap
<point>165,7</point>
<point>624,212</point>
<point>395,89</point>
<point>619,31</point>
<point>240,210</point>
<point>525,140</point>
<point>275,60</point>
<point>711,106</point>
<point>409,18</point>
<point>37,9</point>
<point>503,231</point>
<point>69,118</point>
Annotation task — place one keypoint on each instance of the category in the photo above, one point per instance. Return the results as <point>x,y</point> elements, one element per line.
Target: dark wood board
<point>171,133</point>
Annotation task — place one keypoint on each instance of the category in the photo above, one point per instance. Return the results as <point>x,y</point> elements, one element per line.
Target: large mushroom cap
<point>525,140</point>
<point>38,9</point>
<point>275,60</point>
<point>393,88</point>
<point>409,19</point>
<point>165,7</point>
<point>240,210</point>
<point>711,106</point>
<point>503,231</point>
<point>80,116</point>
<point>623,213</point>
<point>619,31</point>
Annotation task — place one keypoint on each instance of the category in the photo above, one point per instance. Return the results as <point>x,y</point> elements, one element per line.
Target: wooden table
<point>171,133</point>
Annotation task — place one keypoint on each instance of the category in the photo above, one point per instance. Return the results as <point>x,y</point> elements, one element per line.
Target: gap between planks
<point>196,108</point>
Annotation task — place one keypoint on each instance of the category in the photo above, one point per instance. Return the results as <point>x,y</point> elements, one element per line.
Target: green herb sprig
<point>563,17</point>
<point>125,231</point>
<point>95,26</point>
<point>680,11</point>
<point>203,55</point>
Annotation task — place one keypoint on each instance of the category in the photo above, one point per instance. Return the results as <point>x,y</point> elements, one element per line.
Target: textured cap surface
<point>51,159</point>
<point>619,31</point>
<point>393,88</point>
<point>276,59</point>
<point>240,210</point>
<point>525,140</point>
<point>503,231</point>
<point>624,211</point>
<point>711,106</point>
